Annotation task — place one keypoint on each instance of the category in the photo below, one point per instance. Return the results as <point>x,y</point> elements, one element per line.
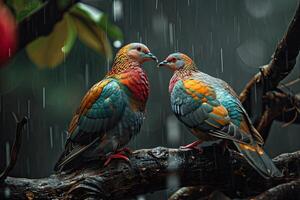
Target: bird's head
<point>137,52</point>
<point>178,61</point>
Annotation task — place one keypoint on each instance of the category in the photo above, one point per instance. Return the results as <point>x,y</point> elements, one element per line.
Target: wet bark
<point>148,171</point>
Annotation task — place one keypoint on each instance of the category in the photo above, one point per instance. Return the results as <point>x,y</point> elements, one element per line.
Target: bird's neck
<point>130,74</point>
<point>121,63</point>
<point>179,75</point>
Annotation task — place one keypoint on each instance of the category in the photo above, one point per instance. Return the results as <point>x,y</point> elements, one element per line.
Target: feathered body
<point>211,110</point>
<point>111,112</point>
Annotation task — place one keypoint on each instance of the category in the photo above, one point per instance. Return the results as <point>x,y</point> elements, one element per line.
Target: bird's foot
<point>118,155</point>
<point>194,146</point>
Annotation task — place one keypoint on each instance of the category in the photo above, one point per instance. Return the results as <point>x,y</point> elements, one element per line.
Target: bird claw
<point>193,146</point>
<point>118,155</point>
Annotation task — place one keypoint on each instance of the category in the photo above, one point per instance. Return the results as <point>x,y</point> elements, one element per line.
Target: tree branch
<point>285,107</point>
<point>282,63</point>
<point>280,106</point>
<point>290,190</point>
<point>149,170</point>
<point>191,193</point>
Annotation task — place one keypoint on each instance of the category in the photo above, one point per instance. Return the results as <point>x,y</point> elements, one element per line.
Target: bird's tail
<point>71,155</point>
<point>259,160</point>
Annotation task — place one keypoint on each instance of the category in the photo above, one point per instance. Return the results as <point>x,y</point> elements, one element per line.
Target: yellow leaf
<point>92,35</point>
<point>51,50</point>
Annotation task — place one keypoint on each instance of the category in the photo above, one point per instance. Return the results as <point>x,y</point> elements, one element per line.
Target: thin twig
<point>15,148</point>
<point>289,84</point>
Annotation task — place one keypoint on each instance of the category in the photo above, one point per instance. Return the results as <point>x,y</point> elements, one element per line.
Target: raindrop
<point>117,10</point>
<point>159,22</point>
<point>141,197</point>
<point>193,52</point>
<point>255,94</point>
<point>18,106</point>
<point>44,97</point>
<point>171,33</point>
<point>86,76</point>
<point>173,181</point>
<point>28,109</point>
<point>173,134</point>
<point>7,150</point>
<point>51,136</point>
<point>7,193</point>
<point>117,43</point>
<point>62,140</point>
<point>222,66</point>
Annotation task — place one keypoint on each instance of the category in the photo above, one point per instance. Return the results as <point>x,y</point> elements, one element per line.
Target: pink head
<point>136,52</point>
<point>178,61</point>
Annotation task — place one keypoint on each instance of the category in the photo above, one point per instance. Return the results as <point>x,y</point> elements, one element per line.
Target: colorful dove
<point>111,112</point>
<point>211,110</point>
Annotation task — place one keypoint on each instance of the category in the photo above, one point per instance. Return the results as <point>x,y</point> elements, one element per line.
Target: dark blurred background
<point>227,39</point>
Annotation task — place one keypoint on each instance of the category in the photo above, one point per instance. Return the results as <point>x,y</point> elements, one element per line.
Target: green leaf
<point>87,11</point>
<point>51,50</point>
<point>23,8</point>
<point>91,35</point>
<point>113,31</point>
<point>99,18</point>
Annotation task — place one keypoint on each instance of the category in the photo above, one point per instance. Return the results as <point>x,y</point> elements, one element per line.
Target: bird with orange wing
<point>111,112</point>
<point>211,110</point>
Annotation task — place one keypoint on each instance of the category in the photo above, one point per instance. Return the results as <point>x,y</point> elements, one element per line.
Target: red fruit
<point>8,34</point>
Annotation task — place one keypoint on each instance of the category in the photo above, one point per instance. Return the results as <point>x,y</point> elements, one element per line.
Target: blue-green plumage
<point>111,112</point>
<point>211,110</point>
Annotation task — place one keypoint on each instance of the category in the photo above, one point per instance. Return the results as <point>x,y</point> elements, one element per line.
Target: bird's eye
<point>139,48</point>
<point>171,60</point>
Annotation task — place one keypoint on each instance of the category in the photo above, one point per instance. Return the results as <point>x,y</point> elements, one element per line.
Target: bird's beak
<point>151,56</point>
<point>163,63</point>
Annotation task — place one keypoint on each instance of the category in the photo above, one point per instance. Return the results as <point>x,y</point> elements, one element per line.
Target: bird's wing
<point>100,110</point>
<point>245,122</point>
<point>231,101</point>
<point>204,105</point>
<point>195,104</point>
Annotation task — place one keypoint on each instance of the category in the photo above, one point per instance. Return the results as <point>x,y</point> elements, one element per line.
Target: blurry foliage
<point>90,30</point>
<point>51,50</point>
<point>88,23</point>
<point>23,8</point>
